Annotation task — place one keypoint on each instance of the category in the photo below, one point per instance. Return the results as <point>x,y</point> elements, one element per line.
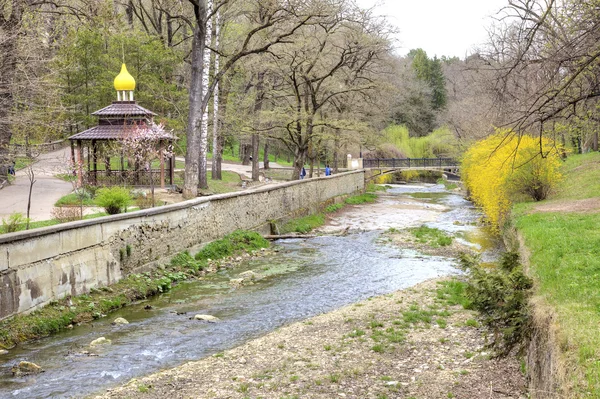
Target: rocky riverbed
<point>411,344</point>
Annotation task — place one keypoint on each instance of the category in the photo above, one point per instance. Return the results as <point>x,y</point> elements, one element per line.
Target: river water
<point>309,277</point>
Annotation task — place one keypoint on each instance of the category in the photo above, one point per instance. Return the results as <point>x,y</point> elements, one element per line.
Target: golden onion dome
<point>124,81</point>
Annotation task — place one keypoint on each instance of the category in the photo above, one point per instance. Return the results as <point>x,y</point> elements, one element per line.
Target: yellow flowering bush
<point>506,166</point>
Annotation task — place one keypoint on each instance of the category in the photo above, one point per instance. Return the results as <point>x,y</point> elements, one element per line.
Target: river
<point>310,277</point>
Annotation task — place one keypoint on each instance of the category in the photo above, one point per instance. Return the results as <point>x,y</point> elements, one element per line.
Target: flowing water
<point>308,277</point>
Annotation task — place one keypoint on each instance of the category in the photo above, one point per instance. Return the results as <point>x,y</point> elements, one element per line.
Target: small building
<point>104,143</point>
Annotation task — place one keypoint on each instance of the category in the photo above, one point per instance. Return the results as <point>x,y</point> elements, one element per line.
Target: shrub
<point>505,165</point>
<point>65,214</point>
<point>500,294</point>
<point>113,199</point>
<point>15,222</point>
<point>333,208</point>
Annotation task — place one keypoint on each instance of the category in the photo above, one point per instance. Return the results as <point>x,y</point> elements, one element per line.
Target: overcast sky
<point>440,27</point>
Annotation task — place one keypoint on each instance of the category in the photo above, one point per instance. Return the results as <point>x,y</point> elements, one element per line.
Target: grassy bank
<point>565,264</point>
<point>308,223</point>
<point>66,312</point>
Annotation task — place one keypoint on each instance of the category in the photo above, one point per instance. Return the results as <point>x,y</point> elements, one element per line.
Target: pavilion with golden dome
<point>102,142</point>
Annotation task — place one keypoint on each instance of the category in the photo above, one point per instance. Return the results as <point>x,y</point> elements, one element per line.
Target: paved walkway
<point>46,190</point>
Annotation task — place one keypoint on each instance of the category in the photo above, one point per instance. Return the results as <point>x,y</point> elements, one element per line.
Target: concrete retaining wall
<point>40,265</point>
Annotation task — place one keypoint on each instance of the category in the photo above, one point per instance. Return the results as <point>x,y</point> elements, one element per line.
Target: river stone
<point>100,341</point>
<point>206,317</point>
<point>236,282</point>
<point>26,368</point>
<point>248,275</point>
<point>120,320</point>
<point>3,352</point>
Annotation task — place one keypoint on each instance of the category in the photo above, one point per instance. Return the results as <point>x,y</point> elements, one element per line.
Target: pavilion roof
<point>123,109</point>
<point>109,132</point>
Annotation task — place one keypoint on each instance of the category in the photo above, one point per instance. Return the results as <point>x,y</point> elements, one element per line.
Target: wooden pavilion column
<point>95,161</point>
<point>73,153</point>
<point>172,167</point>
<point>79,164</point>
<point>162,164</point>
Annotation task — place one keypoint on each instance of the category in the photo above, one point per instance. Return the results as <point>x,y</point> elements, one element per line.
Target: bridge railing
<point>406,163</point>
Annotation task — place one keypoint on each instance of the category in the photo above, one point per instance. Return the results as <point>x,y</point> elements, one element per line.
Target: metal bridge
<point>390,165</point>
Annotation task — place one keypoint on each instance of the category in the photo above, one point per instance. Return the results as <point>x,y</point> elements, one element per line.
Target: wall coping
<point>42,231</point>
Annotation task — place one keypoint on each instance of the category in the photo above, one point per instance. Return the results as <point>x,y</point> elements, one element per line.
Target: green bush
<point>500,294</point>
<point>15,222</point>
<point>113,199</point>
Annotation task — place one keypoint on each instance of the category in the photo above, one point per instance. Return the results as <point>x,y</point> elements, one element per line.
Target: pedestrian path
<point>47,189</point>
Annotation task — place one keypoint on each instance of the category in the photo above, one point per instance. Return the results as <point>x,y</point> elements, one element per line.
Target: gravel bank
<point>410,344</point>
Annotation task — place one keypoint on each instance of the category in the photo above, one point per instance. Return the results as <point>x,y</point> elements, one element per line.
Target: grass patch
<point>372,187</point>
<point>333,208</point>
<point>238,241</point>
<point>582,173</point>
<point>361,199</point>
<point>431,236</point>
<point>304,225</point>
<point>453,293</point>
<point>447,184</point>
<point>74,199</point>
<point>565,260</point>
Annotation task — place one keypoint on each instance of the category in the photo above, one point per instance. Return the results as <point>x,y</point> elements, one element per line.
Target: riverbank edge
<point>546,366</point>
<point>415,342</point>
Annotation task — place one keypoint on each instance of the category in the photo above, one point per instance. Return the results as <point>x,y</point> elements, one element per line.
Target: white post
<point>131,95</point>
<point>118,95</point>
<point>349,162</point>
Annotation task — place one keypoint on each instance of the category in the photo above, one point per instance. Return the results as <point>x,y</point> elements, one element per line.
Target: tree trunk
<point>193,134</point>
<point>224,88</point>
<point>8,62</point>
<point>214,66</point>
<point>336,145</point>
<point>255,137</point>
<point>202,175</point>
<point>266,155</point>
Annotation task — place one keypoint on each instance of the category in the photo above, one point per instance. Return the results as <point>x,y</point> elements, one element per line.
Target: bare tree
<point>546,56</point>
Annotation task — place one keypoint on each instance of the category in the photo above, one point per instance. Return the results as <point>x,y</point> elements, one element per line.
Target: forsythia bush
<point>504,166</point>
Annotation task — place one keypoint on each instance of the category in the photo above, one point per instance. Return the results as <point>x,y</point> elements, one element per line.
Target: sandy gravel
<point>365,350</point>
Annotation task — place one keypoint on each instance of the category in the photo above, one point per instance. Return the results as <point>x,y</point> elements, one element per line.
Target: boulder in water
<point>24,368</point>
<point>119,320</point>
<point>3,352</point>
<point>249,275</point>
<point>206,317</point>
<point>100,341</point>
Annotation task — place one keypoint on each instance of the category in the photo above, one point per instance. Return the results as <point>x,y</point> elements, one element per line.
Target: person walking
<point>327,170</point>
<point>302,173</point>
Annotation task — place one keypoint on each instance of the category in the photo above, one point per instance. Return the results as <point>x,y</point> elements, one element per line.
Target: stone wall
<point>40,265</point>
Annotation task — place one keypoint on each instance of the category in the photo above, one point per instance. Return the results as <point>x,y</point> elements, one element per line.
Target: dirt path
<point>411,344</point>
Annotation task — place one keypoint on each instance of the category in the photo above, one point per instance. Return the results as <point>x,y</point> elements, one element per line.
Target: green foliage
<point>453,293</point>
<point>232,243</point>
<point>500,294</point>
<point>113,199</point>
<point>16,221</point>
<point>333,208</point>
<point>304,225</point>
<point>440,143</point>
<point>361,199</point>
<point>90,58</point>
<point>430,71</point>
<point>432,236</point>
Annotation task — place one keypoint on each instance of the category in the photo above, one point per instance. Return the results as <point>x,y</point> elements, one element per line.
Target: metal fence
<point>408,163</point>
<point>125,177</point>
